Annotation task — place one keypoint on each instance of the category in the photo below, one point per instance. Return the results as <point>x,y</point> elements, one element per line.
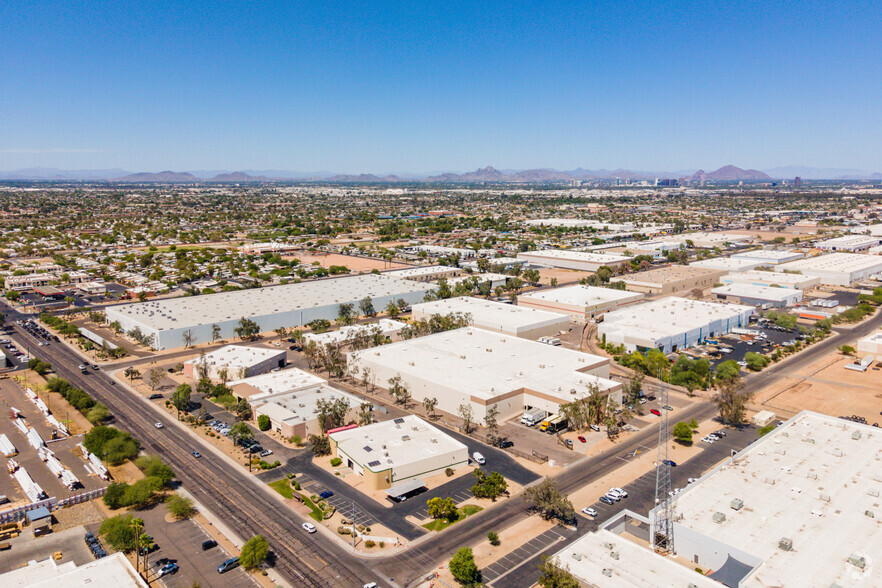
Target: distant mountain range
<point>489,174</point>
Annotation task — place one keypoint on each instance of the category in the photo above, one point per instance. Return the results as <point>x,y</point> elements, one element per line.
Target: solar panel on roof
<point>399,420</point>
<point>367,449</point>
<point>374,464</point>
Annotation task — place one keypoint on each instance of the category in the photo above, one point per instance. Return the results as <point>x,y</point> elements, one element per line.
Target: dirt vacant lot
<point>356,264</point>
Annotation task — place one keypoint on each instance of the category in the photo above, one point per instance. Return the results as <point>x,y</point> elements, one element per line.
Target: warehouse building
<point>114,570</point>
<point>239,361</point>
<point>728,264</point>
<point>404,448</point>
<point>289,380</point>
<point>871,344</point>
<point>480,369</point>
<point>574,260</point>
<point>760,278</point>
<point>580,303</point>
<point>852,243</point>
<point>291,305</point>
<point>770,256</point>
<point>764,296</point>
<point>512,320</point>
<point>386,327</point>
<point>425,273</point>
<point>670,279</point>
<point>710,240</point>
<point>798,507</point>
<point>489,277</point>
<point>671,323</point>
<point>836,269</point>
<point>295,412</point>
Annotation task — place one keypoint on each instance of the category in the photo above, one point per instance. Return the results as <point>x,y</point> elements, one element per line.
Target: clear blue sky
<point>422,86</point>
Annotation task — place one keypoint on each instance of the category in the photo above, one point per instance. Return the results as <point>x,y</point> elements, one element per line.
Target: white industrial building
<point>765,296</point>
<point>505,262</point>
<point>574,260</point>
<point>291,305</point>
<point>710,240</point>
<point>480,368</point>
<point>798,507</point>
<point>728,264</point>
<point>289,380</point>
<point>836,269</point>
<point>114,570</point>
<point>527,323</point>
<point>387,327</point>
<point>871,344</point>
<point>240,362</point>
<point>770,256</point>
<point>580,303</point>
<point>760,278</point>
<point>425,273</point>
<point>295,412</point>
<point>493,278</point>
<point>671,323</point>
<point>405,448</point>
<point>853,243</point>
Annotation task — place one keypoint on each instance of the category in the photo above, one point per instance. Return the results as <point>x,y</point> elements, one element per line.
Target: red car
<point>655,412</point>
<point>581,438</point>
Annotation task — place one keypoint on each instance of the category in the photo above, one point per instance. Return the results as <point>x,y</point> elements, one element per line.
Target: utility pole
<point>353,523</point>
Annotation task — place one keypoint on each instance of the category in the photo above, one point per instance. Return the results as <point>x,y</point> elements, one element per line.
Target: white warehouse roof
<point>237,356</point>
<point>584,296</point>
<point>282,381</point>
<point>420,271</point>
<point>761,278</point>
<point>771,256</point>
<point>386,326</point>
<point>755,292</point>
<point>554,256</point>
<point>836,268</point>
<point>496,316</point>
<point>729,264</point>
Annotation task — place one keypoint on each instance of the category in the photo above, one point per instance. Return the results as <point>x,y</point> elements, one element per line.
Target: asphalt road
<point>301,558</point>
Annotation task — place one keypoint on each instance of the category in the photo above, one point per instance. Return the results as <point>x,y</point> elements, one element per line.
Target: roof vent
<point>856,435</point>
<point>719,517</point>
<point>857,561</point>
<point>785,544</point>
<point>607,572</point>
<point>736,504</point>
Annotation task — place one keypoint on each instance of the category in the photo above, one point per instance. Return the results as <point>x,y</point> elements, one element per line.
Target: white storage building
<point>480,368</point>
<point>240,361</point>
<point>770,256</point>
<point>527,323</point>
<point>760,278</point>
<point>766,296</point>
<point>574,260</point>
<point>580,303</point>
<point>291,305</point>
<point>388,327</point>
<point>836,269</point>
<point>425,273</point>
<point>671,323</point>
<point>853,243</point>
<point>404,448</point>
<point>728,264</point>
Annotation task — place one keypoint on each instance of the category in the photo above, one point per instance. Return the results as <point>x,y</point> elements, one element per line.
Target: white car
<point>619,492</point>
<point>308,527</point>
<point>589,511</point>
<point>691,480</point>
<point>479,458</point>
<point>157,425</point>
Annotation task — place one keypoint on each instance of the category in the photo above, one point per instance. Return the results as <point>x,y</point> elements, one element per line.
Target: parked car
<point>326,494</point>
<point>581,439</point>
<point>154,397</point>
<point>671,463</point>
<point>589,511</point>
<point>479,458</point>
<point>668,407</point>
<point>169,568</point>
<point>210,544</point>
<point>618,491</point>
<point>308,527</point>
<point>505,444</point>
<point>595,428</point>
<point>230,564</point>
<point>196,454</point>
<point>655,411</point>
<point>266,452</point>
<point>607,500</point>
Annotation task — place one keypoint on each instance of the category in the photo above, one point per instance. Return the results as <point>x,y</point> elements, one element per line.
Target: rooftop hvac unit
<point>869,513</point>
<point>614,555</point>
<point>857,561</point>
<point>856,435</point>
<point>577,556</point>
<point>719,518</point>
<point>609,545</point>
<point>607,572</point>
<point>736,504</point>
<point>785,544</point>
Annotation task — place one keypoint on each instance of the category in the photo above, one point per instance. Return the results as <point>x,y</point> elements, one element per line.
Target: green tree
<point>392,309</point>
<point>181,398</point>
<point>120,533</point>
<point>320,444</point>
<point>113,496</point>
<point>467,416</point>
<point>547,500</point>
<point>254,552</point>
<point>442,508</point>
<point>331,412</point>
<point>366,305</point>
<point>731,400</point>
<point>247,329</point>
<point>263,422</point>
<point>491,485</point>
<point>727,371</point>
<point>755,361</point>
<point>180,507</point>
<point>493,538</point>
<point>554,575</point>
<point>346,313</point>
<point>154,377</point>
<point>683,433</point>
<point>154,467</point>
<point>215,332</point>
<point>429,404</point>
<point>463,568</point>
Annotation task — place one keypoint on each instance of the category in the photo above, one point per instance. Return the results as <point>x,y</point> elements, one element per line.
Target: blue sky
<point>422,86</point>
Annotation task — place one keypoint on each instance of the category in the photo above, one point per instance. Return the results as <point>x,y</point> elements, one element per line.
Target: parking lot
<point>347,507</point>
<point>64,449</point>
<point>503,568</point>
<point>770,338</point>
<point>181,542</point>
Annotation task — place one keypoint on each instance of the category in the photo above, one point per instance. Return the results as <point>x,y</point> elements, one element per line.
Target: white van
<point>479,458</point>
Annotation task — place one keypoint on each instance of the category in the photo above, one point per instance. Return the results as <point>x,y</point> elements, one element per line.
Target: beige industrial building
<point>294,412</point>
<point>781,280</point>
<point>764,296</point>
<point>404,448</point>
<point>580,303</point>
<point>425,273</point>
<point>670,279</point>
<point>289,380</point>
<point>836,269</point>
<point>728,264</point>
<point>480,369</point>
<point>527,323</point>
<point>239,361</point>
<point>871,344</point>
<point>574,260</point>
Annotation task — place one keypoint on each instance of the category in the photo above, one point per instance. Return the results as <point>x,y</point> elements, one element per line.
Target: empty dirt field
<point>831,390</point>
<point>356,264</point>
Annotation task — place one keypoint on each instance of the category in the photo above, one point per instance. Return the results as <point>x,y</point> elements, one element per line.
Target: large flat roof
<point>744,290</point>
<point>423,270</point>
<point>386,326</point>
<point>113,570</point>
<point>669,316</point>
<point>496,315</point>
<point>238,356</point>
<point>834,262</point>
<point>771,255</point>
<point>731,264</point>
<point>176,313</point>
<point>813,481</point>
<point>396,443</point>
<point>579,295</point>
<point>578,256</point>
<point>771,278</point>
<point>849,241</point>
<point>299,406</point>
<point>485,364</point>
<point>280,381</point>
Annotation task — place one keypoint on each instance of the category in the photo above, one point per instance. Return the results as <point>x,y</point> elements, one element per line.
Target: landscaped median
<point>461,514</point>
